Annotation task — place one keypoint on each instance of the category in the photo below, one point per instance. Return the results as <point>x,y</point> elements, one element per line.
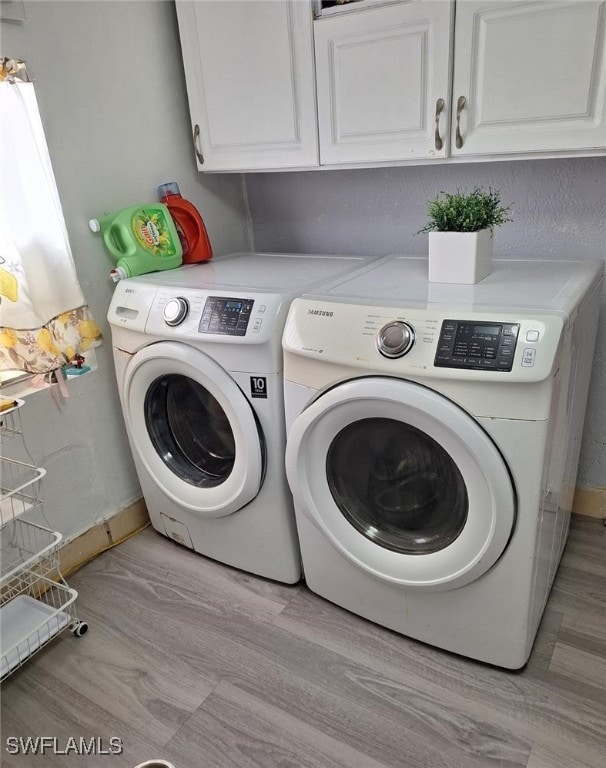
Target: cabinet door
<point>532,76</point>
<point>381,73</point>
<point>250,82</point>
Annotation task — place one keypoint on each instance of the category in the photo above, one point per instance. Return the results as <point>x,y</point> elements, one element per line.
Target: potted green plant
<point>460,227</point>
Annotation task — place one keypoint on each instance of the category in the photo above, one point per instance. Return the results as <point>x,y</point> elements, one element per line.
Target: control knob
<point>395,339</point>
<point>175,311</point>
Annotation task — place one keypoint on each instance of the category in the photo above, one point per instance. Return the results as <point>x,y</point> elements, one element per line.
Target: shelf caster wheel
<point>80,628</point>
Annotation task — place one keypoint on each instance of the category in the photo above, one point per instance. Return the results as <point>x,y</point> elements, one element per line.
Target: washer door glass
<point>194,434</point>
<point>190,430</point>
<point>397,486</point>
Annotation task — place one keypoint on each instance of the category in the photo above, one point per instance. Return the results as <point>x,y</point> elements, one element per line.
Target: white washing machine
<point>198,361</point>
<point>433,443</point>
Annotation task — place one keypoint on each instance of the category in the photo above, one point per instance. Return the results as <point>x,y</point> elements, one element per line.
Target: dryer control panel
<point>450,343</point>
<point>477,345</point>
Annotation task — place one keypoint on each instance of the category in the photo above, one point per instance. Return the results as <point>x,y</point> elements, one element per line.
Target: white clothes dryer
<point>198,360</point>
<point>433,442</point>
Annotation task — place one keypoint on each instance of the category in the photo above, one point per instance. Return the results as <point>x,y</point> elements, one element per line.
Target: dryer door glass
<point>403,482</point>
<point>397,486</point>
<point>189,430</point>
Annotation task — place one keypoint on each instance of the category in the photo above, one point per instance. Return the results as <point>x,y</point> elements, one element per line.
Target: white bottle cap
<point>117,274</point>
<point>94,225</point>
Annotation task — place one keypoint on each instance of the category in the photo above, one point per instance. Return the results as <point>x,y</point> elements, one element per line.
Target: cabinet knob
<point>460,107</point>
<point>438,139</point>
<point>199,154</point>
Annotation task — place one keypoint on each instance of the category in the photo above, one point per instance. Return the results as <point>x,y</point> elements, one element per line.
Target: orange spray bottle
<point>190,226</point>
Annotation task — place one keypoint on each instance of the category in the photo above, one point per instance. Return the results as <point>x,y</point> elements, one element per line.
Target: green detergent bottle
<point>142,238</point>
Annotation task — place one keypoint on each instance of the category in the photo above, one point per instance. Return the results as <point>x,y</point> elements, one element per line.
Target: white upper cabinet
<point>249,72</point>
<point>383,81</point>
<point>392,81</point>
<point>528,77</point>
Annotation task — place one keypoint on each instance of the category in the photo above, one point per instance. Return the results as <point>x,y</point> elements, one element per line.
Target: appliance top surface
<point>275,273</point>
<point>514,284</point>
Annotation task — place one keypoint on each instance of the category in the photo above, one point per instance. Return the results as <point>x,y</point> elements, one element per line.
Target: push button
<point>528,357</point>
<point>532,336</point>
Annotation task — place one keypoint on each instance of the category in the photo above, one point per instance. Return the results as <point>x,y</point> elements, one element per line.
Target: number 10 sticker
<point>258,386</point>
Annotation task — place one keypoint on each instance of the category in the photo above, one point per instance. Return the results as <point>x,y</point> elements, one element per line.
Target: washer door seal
<point>213,467</point>
<point>483,502</point>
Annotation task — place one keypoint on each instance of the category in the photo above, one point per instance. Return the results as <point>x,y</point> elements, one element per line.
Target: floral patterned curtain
<point>44,319</point>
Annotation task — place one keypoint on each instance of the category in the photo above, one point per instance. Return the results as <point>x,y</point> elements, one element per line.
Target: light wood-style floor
<point>209,667</point>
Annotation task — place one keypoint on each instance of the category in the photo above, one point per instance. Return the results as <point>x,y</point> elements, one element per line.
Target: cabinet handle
<point>438,139</point>
<point>199,154</point>
<point>460,107</point>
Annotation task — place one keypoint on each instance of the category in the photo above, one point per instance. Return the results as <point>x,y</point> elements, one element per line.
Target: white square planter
<point>460,257</point>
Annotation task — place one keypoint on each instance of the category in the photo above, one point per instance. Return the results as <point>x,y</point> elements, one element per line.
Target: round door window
<point>403,482</point>
<point>189,430</point>
<point>397,486</point>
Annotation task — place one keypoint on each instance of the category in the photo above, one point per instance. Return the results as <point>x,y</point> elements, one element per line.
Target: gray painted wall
<point>111,92</point>
<point>559,211</point>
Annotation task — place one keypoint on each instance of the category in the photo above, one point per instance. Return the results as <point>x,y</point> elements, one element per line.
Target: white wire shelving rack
<point>36,604</point>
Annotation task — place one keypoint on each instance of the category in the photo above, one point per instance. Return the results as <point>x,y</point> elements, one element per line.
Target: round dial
<point>395,339</point>
<point>175,310</point>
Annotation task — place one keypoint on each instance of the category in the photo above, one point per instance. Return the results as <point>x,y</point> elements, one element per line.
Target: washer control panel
<point>477,345</point>
<point>226,316</point>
